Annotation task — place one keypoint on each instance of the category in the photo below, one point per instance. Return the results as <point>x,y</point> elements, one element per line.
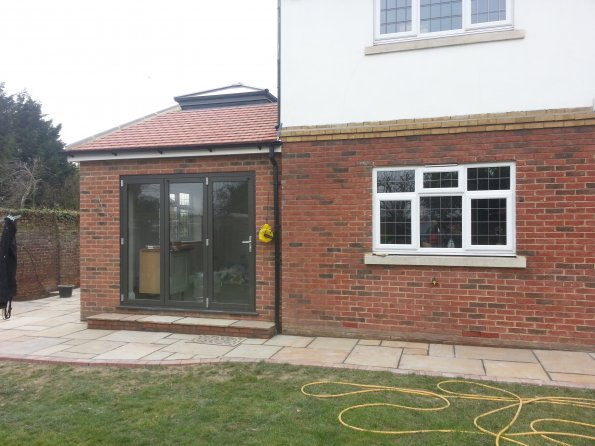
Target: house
<point>439,170</point>
<point>171,205</point>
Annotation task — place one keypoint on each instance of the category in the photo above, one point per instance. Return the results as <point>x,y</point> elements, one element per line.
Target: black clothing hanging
<point>8,266</point>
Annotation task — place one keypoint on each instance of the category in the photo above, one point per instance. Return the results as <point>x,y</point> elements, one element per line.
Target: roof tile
<point>190,128</point>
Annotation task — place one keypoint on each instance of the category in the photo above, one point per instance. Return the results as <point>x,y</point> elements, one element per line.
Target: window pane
<point>440,15</point>
<point>488,11</point>
<point>395,181</point>
<point>144,245</point>
<point>488,221</point>
<point>435,180</point>
<point>441,222</point>
<point>488,178</point>
<point>395,16</point>
<point>186,269</point>
<point>395,222</point>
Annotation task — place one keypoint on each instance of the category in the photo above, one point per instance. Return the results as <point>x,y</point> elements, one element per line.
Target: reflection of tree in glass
<point>396,181</point>
<point>230,197</point>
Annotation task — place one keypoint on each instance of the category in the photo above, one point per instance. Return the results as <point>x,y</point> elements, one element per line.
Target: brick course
<point>327,229</point>
<point>100,225</point>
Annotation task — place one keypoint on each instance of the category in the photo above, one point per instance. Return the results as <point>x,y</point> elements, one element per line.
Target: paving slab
<point>442,350</point>
<point>194,349</point>
<point>494,353</point>
<point>253,351</point>
<point>52,350</point>
<point>254,324</point>
<point>333,343</point>
<point>130,351</point>
<point>566,362</point>
<point>95,347</point>
<point>251,341</point>
<point>160,319</point>
<point>71,355</point>
<point>289,341</point>
<point>205,321</point>
<point>146,337</point>
<point>404,344</point>
<point>159,355</point>
<point>311,355</point>
<point>17,322</point>
<point>521,370</point>
<point>374,356</point>
<point>62,330</point>
<point>444,365</point>
<point>415,351</point>
<point>29,346</point>
<point>179,356</point>
<point>573,378</point>
<point>33,327</point>
<point>12,334</point>
<point>370,342</point>
<point>88,333</point>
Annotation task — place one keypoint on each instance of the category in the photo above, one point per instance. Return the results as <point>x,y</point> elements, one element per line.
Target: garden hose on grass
<point>510,400</point>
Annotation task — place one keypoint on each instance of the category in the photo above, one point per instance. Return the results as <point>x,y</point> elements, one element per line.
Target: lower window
<point>458,210</point>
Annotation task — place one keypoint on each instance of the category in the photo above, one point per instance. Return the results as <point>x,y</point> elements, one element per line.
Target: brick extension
<point>100,225</point>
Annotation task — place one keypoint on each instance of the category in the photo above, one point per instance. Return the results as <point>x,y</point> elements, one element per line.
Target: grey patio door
<point>233,243</point>
<point>188,242</point>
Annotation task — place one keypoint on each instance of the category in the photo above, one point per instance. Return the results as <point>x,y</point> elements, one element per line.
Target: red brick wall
<point>47,251</point>
<point>327,222</point>
<point>100,224</point>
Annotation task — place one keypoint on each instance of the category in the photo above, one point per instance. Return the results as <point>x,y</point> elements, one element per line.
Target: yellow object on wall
<point>265,234</point>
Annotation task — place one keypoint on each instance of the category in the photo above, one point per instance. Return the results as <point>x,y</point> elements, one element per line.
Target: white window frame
<point>416,34</point>
<point>467,196</point>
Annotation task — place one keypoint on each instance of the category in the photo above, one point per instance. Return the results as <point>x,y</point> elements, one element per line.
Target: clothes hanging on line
<point>8,265</point>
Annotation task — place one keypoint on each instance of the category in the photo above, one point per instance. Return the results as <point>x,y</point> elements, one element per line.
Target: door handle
<point>249,243</point>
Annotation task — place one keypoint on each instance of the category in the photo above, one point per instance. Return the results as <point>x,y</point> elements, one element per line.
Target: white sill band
<point>466,261</point>
<point>437,42</point>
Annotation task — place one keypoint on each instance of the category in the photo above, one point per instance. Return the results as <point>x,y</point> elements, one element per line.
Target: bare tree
<point>21,180</point>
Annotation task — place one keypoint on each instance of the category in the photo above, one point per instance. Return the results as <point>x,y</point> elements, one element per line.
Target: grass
<point>250,404</point>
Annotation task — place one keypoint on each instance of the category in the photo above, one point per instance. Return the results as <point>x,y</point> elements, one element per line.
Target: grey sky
<point>96,65</point>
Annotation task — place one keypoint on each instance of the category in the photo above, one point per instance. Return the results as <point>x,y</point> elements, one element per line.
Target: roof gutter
<point>170,152</point>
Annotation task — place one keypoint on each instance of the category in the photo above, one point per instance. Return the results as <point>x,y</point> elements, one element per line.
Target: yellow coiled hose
<point>510,401</point>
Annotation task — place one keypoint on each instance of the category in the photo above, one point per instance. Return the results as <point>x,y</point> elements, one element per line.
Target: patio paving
<point>50,330</point>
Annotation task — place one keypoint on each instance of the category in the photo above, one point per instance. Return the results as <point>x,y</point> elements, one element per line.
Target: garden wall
<point>48,251</point>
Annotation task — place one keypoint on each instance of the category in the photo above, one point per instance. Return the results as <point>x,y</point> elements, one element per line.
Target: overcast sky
<point>96,65</point>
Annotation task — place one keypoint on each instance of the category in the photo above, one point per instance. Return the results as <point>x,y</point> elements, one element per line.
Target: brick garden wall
<point>47,251</point>
<point>327,221</point>
<point>100,224</point>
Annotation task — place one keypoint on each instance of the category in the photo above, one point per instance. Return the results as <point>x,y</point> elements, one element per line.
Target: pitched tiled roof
<point>177,128</point>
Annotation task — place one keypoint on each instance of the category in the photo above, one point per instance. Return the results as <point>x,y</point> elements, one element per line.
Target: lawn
<point>263,404</point>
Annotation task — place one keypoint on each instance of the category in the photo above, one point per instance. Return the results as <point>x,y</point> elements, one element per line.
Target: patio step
<point>185,325</point>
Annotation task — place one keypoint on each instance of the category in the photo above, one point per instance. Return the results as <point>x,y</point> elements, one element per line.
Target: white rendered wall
<point>326,78</point>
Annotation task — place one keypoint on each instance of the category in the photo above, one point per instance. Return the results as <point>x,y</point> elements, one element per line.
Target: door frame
<point>164,301</point>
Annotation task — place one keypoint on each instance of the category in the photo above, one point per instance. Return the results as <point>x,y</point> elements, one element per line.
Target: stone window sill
<point>465,261</point>
<point>463,39</point>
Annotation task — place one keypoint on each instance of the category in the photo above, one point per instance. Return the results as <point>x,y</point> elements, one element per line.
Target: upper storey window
<point>406,19</point>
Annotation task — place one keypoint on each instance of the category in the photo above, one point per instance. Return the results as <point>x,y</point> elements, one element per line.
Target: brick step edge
<point>245,332</point>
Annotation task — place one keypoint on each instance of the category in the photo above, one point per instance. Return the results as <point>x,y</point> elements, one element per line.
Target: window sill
<point>466,261</point>
<point>437,42</point>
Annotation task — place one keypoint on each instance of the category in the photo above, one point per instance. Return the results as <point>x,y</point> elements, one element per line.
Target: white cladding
<point>326,77</point>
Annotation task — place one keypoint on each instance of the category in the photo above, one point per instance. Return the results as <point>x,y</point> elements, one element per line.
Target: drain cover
<point>217,340</point>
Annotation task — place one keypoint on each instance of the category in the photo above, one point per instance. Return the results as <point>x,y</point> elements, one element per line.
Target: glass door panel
<point>233,243</point>
<point>143,231</point>
<point>186,250</point>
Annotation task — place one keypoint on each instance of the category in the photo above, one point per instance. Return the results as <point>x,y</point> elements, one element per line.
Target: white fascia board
<point>155,153</point>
